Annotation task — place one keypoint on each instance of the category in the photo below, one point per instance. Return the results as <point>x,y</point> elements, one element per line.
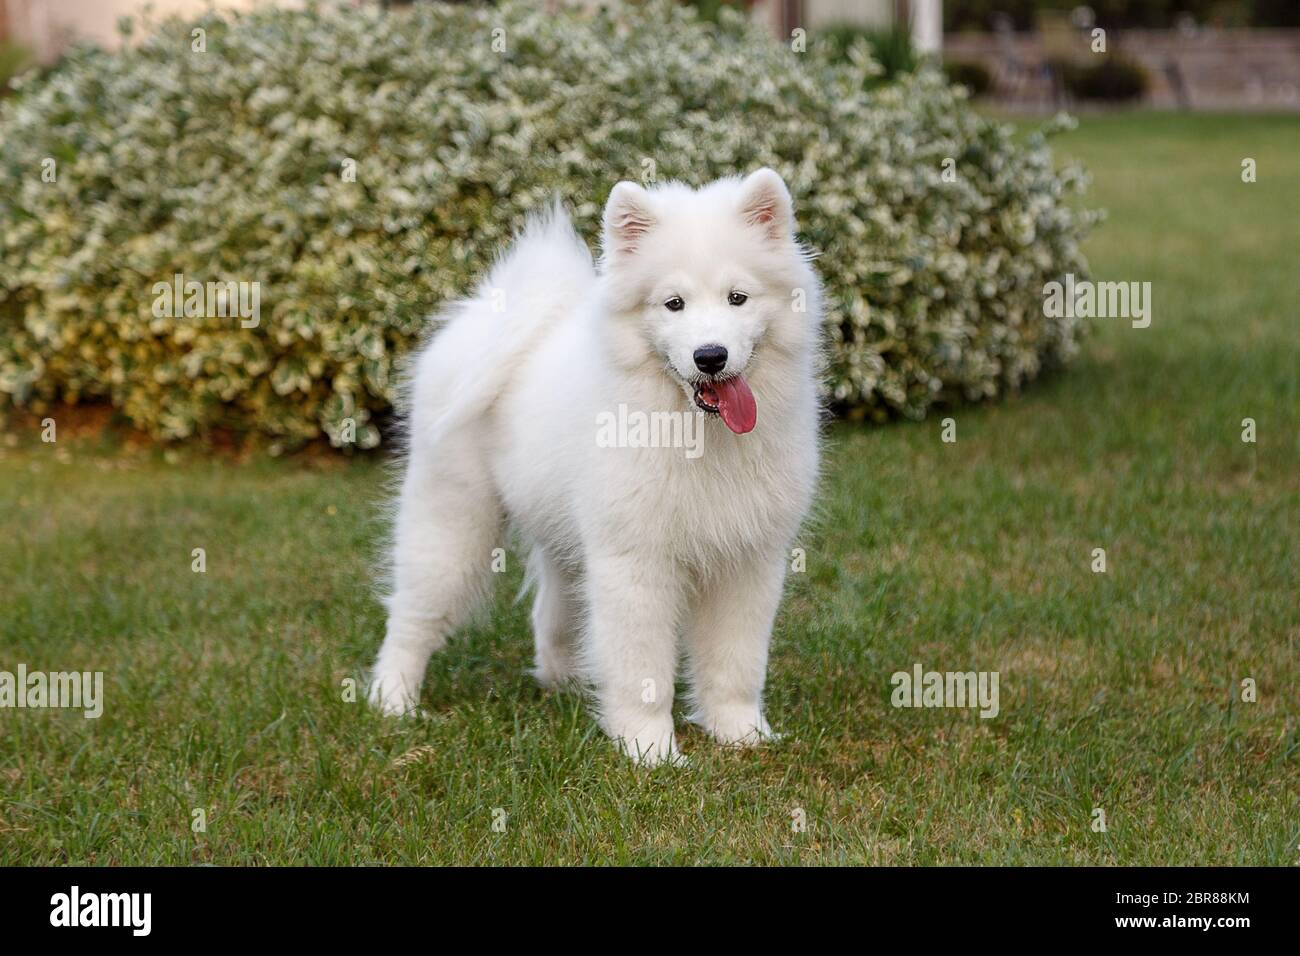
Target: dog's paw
<point>651,746</point>
<point>391,696</point>
<point>738,726</point>
<point>555,670</point>
<point>652,753</point>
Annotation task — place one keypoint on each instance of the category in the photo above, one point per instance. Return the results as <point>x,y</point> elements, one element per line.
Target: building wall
<point>819,13</point>
<point>927,25</point>
<point>1209,69</point>
<point>926,16</point>
<point>48,27</point>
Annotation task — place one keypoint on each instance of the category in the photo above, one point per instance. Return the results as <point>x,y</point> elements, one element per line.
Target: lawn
<point>226,691</point>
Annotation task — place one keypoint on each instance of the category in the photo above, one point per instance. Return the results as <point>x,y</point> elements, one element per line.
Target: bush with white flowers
<point>348,169</point>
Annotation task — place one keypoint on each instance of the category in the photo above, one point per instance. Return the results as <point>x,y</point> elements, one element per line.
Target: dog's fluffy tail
<point>473,356</point>
<point>547,264</point>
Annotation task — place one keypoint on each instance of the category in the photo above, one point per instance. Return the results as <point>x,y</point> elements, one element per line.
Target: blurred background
<point>1020,54</point>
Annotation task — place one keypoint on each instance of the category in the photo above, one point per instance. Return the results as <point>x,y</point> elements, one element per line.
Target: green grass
<point>224,689</point>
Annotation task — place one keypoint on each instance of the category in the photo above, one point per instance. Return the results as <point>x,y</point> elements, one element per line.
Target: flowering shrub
<point>359,167</point>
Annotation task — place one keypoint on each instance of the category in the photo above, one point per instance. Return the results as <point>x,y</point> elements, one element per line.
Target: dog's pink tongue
<point>736,405</point>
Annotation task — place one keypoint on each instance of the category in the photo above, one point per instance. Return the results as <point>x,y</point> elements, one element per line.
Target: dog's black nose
<point>711,359</point>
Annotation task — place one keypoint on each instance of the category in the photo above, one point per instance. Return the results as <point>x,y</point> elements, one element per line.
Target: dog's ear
<point>628,217</point>
<point>766,203</point>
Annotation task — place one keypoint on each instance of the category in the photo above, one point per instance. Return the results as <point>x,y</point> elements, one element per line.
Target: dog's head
<point>709,284</point>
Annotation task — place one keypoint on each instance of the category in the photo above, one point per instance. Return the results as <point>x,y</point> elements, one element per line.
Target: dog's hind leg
<point>555,620</point>
<point>448,523</point>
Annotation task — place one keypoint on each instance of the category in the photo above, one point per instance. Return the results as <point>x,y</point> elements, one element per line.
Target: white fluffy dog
<point>705,313</point>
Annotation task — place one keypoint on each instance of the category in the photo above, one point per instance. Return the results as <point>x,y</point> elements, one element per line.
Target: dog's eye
<point>737,298</point>
<point>675,304</point>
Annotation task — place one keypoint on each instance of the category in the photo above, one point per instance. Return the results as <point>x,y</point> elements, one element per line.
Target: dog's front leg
<point>634,602</point>
<point>727,640</point>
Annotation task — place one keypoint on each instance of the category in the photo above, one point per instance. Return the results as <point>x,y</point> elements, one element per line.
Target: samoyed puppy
<point>703,312</point>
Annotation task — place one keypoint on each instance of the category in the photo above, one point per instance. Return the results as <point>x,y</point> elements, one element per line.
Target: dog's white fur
<point>629,549</point>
